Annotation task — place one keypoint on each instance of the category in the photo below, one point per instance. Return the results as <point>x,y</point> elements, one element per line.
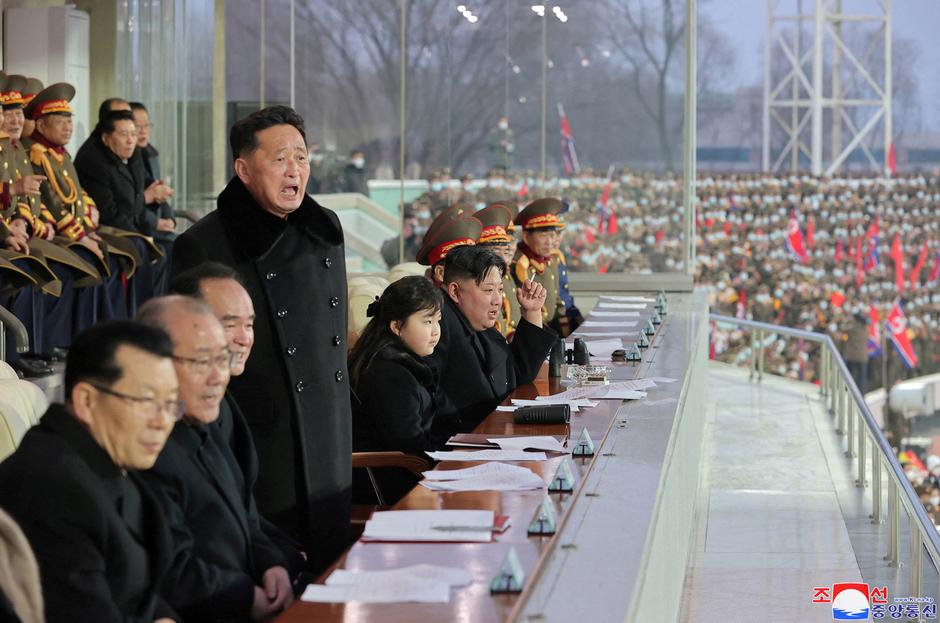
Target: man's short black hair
<point>135,106</point>
<point>471,262</point>
<point>91,356</point>
<point>106,105</point>
<point>110,120</point>
<point>243,138</point>
<point>188,281</point>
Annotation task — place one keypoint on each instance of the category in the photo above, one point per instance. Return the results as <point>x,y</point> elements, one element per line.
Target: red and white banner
<point>796,245</point>
<point>914,279</point>
<point>896,325</point>
<point>874,332</point>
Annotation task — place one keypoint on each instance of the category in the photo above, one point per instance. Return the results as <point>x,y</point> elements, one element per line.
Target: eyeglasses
<point>205,364</point>
<point>147,406</point>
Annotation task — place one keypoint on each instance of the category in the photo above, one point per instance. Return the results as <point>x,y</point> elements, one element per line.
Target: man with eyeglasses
<point>226,567</point>
<point>74,487</point>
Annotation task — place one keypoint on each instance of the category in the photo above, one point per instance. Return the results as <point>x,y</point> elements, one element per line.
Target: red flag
<point>837,299</point>
<point>839,251</point>
<point>810,231</point>
<point>935,272</point>
<point>896,324</point>
<point>589,234</point>
<point>741,310</point>
<point>892,161</point>
<point>605,195</point>
<point>897,256</point>
<point>794,240</point>
<point>612,224</point>
<point>523,190</point>
<point>569,157</point>
<point>914,279</point>
<point>873,345</point>
<point>859,271</point>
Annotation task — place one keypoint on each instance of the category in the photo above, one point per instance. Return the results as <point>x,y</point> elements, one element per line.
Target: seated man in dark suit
<point>477,367</point>
<point>226,567</point>
<point>96,528</point>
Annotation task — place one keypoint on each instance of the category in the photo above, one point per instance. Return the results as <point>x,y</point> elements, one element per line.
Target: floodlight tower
<point>810,46</point>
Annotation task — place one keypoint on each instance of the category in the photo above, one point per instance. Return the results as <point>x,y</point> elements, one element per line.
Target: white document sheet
<point>591,334</point>
<point>609,305</point>
<point>628,299</point>
<point>603,313</point>
<point>537,442</point>
<point>612,391</point>
<point>488,455</point>
<point>484,469</point>
<point>529,481</point>
<point>451,576</point>
<point>506,408</point>
<point>623,324</point>
<point>391,589</point>
<point>429,525</point>
<point>619,394</point>
<point>662,379</point>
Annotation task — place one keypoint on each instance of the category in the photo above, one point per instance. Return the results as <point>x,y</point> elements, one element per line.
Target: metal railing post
<point>875,485</point>
<point>862,442</point>
<point>753,355</point>
<point>823,370</point>
<point>838,407</point>
<point>848,420</point>
<point>760,356</point>
<point>915,578</point>
<point>894,526</point>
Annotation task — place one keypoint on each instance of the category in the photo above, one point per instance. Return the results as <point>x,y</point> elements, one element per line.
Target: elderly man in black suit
<point>289,252</point>
<point>73,485</point>
<point>226,567</point>
<point>477,367</point>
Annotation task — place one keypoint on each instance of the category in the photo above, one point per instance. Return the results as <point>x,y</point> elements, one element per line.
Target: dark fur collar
<point>256,231</point>
<point>416,365</point>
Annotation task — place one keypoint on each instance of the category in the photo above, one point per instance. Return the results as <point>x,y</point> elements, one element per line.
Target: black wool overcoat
<point>294,392</point>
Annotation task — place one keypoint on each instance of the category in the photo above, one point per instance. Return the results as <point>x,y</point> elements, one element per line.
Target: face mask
<point>436,186</point>
<point>358,162</point>
<point>316,158</point>
<point>503,125</point>
<point>424,214</point>
<point>496,182</point>
<point>935,499</point>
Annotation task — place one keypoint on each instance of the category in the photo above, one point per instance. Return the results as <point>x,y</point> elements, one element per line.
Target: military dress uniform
<point>498,230</point>
<point>73,215</point>
<point>550,271</point>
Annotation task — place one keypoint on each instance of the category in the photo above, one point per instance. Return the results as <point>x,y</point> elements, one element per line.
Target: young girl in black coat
<point>395,392</point>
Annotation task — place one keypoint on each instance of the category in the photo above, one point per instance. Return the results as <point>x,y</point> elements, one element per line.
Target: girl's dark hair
<point>400,299</point>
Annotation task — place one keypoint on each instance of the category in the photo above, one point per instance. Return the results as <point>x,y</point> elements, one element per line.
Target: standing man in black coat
<point>97,529</point>
<point>477,367</point>
<point>294,392</point>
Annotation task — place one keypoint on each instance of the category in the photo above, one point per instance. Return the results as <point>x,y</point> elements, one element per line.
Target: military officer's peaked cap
<point>54,98</point>
<point>33,87</point>
<point>456,232</point>
<point>11,91</point>
<point>541,214</point>
<point>496,219</point>
<point>447,215</point>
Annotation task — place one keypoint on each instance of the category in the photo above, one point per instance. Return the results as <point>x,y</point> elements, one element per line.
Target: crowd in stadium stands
<point>633,222</point>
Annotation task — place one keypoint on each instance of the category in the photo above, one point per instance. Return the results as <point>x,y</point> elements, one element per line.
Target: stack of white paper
<point>417,583</point>
<point>536,442</point>
<point>621,324</point>
<point>610,305</point>
<point>628,299</point>
<point>604,313</point>
<point>620,390</point>
<point>487,455</point>
<point>488,477</point>
<point>430,525</point>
